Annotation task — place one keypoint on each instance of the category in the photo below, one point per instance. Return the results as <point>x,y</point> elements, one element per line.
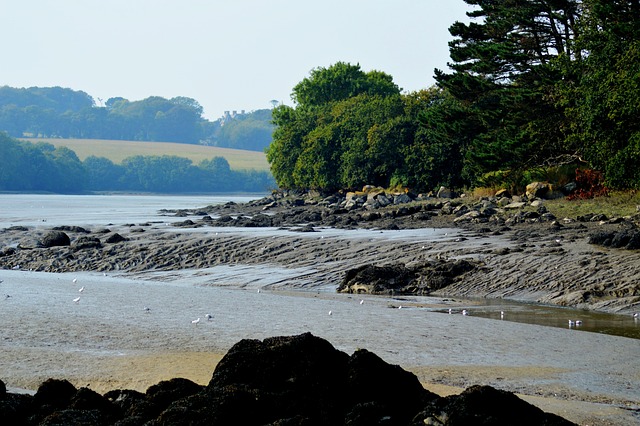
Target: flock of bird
<point>209,317</point>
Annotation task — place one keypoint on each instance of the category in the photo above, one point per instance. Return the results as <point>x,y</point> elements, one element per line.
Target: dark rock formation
<point>625,238</point>
<point>399,279</point>
<point>296,380</point>
<point>484,405</point>
<point>86,242</point>
<point>115,238</point>
<point>71,228</point>
<point>55,238</point>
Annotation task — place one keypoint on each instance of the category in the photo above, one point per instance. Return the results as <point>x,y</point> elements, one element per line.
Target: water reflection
<point>551,316</point>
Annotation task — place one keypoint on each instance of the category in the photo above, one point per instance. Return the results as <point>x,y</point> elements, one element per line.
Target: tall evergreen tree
<point>503,78</point>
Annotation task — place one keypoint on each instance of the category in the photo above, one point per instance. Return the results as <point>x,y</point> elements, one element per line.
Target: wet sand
<point>108,340</point>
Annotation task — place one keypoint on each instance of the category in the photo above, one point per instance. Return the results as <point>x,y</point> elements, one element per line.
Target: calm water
<point>51,210</point>
<point>37,210</point>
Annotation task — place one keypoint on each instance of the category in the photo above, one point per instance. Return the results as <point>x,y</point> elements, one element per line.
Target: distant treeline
<point>55,112</point>
<point>29,167</point>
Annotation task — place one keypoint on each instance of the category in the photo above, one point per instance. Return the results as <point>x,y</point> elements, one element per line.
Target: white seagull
<point>75,280</point>
<point>77,299</point>
<point>362,301</point>
<point>146,309</point>
<point>330,312</point>
<point>81,289</point>
<point>195,321</point>
<point>501,314</point>
<point>465,312</point>
<point>450,311</point>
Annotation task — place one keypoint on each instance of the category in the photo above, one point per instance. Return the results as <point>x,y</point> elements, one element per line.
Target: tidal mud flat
<point>189,263</point>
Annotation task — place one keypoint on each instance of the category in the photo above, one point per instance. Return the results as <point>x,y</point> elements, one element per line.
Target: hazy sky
<point>228,55</point>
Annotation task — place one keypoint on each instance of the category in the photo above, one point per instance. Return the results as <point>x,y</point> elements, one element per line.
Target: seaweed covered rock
<point>55,239</point>
<point>420,279</point>
<point>485,405</point>
<point>290,380</point>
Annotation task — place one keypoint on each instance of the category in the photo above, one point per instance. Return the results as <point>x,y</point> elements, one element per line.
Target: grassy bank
<point>116,151</point>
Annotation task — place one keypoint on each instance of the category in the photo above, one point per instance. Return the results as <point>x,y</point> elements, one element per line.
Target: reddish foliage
<point>589,185</point>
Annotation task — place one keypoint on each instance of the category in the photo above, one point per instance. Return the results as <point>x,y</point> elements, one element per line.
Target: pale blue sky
<point>228,55</point>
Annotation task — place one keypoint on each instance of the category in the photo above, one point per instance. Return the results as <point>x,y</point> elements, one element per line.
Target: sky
<point>227,55</point>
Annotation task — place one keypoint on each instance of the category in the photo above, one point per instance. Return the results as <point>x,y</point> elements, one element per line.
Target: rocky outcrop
<point>628,238</point>
<point>420,279</point>
<point>55,238</point>
<point>292,380</point>
<point>484,405</point>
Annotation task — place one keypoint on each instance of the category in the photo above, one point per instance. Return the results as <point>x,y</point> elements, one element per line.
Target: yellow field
<point>117,151</point>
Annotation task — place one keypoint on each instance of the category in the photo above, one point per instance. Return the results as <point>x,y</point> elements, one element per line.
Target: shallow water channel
<point>552,316</point>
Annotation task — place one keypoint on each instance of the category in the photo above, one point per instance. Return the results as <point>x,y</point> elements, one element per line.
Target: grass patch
<point>116,151</point>
<point>616,204</point>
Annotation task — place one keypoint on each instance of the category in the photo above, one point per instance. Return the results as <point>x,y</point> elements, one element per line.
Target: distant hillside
<point>56,112</point>
<point>116,151</point>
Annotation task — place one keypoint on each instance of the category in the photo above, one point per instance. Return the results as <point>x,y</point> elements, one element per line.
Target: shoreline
<point>298,273</point>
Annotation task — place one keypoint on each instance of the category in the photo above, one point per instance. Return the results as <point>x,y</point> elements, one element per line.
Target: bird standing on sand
<point>209,317</point>
<point>362,301</point>
<point>195,321</point>
<point>75,280</point>
<point>81,289</point>
<point>77,299</point>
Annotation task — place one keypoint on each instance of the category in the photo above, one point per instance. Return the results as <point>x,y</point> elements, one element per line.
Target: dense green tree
<point>339,82</point>
<point>503,78</point>
<point>603,101</point>
<point>103,174</point>
<point>332,138</point>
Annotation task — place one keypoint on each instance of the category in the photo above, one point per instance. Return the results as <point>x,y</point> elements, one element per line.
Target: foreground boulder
<point>295,380</point>
<point>484,405</point>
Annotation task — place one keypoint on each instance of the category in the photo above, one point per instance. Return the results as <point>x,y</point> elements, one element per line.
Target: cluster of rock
<point>421,279</point>
<point>377,208</point>
<point>58,237</point>
<point>295,380</point>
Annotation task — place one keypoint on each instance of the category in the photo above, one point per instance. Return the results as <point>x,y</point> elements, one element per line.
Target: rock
<point>55,239</point>
<point>86,242</point>
<point>485,405</point>
<point>115,238</point>
<point>373,279</point>
<point>70,228</point>
<point>398,279</point>
<point>379,390</point>
<point>626,239</point>
<point>537,189</point>
<point>287,380</point>
<point>502,193</point>
<point>515,205</point>
<point>401,199</point>
<point>444,192</point>
<point>54,393</point>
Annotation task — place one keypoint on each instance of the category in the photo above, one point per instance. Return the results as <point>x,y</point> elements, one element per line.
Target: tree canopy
<point>531,85</point>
